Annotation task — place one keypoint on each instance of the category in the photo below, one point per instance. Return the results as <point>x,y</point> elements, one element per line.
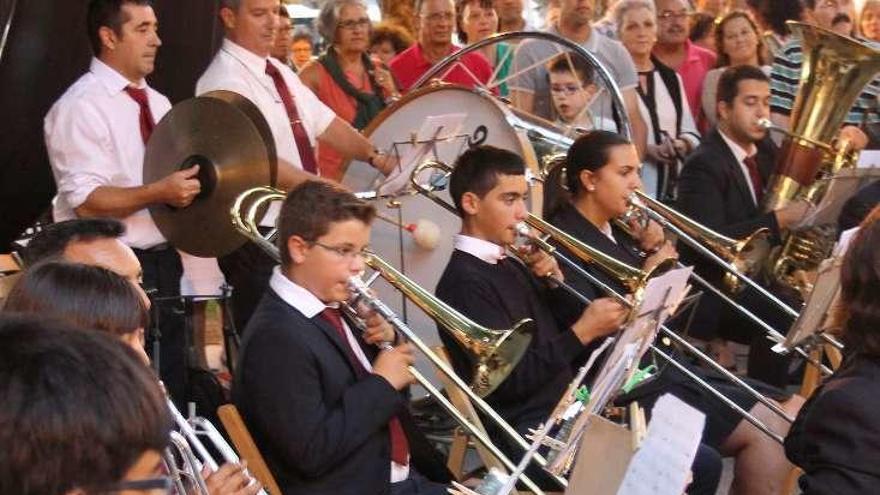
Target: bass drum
<point>487,120</point>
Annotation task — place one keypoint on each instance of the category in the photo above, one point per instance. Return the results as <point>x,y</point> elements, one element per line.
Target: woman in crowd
<point>94,298</point>
<point>771,16</point>
<point>739,43</point>
<point>387,40</point>
<point>477,20</point>
<point>344,77</point>
<point>672,133</point>
<point>869,20</point>
<point>836,437</point>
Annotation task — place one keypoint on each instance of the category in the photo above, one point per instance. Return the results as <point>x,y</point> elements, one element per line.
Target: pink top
<point>697,62</point>
<point>409,65</point>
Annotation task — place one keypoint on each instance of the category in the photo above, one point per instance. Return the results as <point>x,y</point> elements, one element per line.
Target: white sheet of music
<point>662,465</point>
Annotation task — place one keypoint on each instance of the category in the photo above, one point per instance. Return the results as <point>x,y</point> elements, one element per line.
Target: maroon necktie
<point>303,145</point>
<point>139,95</point>
<point>755,175</point>
<point>399,444</point>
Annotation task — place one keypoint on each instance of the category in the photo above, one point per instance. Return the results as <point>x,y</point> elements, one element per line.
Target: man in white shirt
<point>96,134</point>
<point>297,118</point>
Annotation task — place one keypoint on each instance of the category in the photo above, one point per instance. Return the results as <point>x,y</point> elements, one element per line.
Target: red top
<point>697,62</point>
<point>409,65</point>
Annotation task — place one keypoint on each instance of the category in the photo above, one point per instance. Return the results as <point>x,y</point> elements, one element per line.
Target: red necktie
<point>399,444</point>
<point>303,145</point>
<point>139,95</point>
<point>755,175</point>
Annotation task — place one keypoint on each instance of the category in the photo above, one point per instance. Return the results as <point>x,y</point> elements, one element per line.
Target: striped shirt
<point>785,80</point>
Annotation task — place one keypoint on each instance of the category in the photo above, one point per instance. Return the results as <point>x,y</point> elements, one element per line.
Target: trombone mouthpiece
<point>523,230</point>
<point>766,123</point>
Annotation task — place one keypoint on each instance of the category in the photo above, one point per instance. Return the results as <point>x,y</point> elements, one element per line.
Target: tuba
<point>835,70</point>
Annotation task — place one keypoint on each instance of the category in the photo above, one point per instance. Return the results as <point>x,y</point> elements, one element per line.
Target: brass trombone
<point>631,277</point>
<point>509,344</point>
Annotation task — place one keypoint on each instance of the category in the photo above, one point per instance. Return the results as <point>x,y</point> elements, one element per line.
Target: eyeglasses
<point>565,89</point>
<point>162,485</point>
<point>440,16</point>
<point>353,24</point>
<point>345,252</point>
<point>667,16</point>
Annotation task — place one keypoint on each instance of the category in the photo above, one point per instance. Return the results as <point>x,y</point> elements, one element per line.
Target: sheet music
<point>662,465</point>
<point>869,159</point>
<point>435,128</point>
<point>818,304</point>
<point>842,187</point>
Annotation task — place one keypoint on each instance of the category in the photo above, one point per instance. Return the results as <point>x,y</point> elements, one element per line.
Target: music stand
<point>840,188</point>
<point>808,327</point>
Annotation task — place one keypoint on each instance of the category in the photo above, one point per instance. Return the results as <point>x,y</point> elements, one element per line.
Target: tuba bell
<point>835,69</point>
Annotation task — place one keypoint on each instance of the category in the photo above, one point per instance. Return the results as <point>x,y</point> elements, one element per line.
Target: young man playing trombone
<point>489,189</point>
<point>324,405</point>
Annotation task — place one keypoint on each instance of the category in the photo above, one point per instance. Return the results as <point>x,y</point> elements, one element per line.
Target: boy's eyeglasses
<point>565,89</point>
<point>348,253</point>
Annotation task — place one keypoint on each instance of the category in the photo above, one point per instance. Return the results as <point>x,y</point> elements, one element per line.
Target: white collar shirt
<point>237,69</point>
<point>487,251</point>
<point>93,138</point>
<point>300,299</point>
<point>741,154</point>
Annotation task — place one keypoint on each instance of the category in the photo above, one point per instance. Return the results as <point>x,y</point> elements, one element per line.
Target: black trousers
<point>247,270</point>
<point>162,271</point>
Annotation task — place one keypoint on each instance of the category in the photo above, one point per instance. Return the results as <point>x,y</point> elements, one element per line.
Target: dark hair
<point>459,15</point>
<point>477,170</point>
<point>728,83</point>
<point>282,12</point>
<point>107,13</point>
<point>300,35</point>
<point>572,63</point>
<point>399,38</point>
<point>591,151</point>
<point>701,26</point>
<point>54,239</point>
<point>86,296</point>
<point>78,409</point>
<point>311,207</point>
<point>723,58</point>
<point>774,13</point>
<point>859,286</point>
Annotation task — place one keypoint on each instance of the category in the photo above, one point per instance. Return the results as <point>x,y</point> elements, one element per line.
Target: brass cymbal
<point>227,136</point>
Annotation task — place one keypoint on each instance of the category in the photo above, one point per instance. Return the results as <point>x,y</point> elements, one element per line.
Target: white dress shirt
<point>741,154</point>
<point>93,137</point>
<point>487,251</point>
<point>310,306</point>
<point>237,69</point>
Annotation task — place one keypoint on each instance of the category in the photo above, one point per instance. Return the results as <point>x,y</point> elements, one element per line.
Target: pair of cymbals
<point>228,137</point>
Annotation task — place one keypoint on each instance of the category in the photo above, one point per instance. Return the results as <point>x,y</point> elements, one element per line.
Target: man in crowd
<point>530,91</point>
<point>675,49</point>
<point>436,25</point>
<point>510,16</point>
<point>297,118</point>
<point>281,50</point>
<point>96,135</point>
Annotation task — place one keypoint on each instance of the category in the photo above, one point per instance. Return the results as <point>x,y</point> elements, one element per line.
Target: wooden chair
<point>246,447</point>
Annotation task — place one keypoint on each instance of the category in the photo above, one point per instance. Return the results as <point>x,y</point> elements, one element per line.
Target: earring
<point>591,188</point>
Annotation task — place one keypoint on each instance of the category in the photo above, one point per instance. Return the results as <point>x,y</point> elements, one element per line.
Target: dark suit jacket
<point>713,191</point>
<point>322,429</point>
<point>836,436</point>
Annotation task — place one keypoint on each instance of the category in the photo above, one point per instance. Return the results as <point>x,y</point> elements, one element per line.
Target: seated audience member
<point>672,133</point>
<point>95,298</point>
<point>80,414</point>
<point>344,77</point>
<point>436,24</point>
<point>739,43</point>
<point>475,21</point>
<point>387,40</point>
<point>342,426</point>
<point>301,49</point>
<point>836,437</point>
<point>572,89</point>
<point>488,187</point>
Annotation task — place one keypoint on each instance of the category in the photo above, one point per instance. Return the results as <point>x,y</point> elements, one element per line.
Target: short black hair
<point>311,207</point>
<point>90,297</point>
<point>572,63</point>
<point>79,408</point>
<point>728,83</point>
<point>108,13</point>
<point>477,170</point>
<point>51,242</point>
